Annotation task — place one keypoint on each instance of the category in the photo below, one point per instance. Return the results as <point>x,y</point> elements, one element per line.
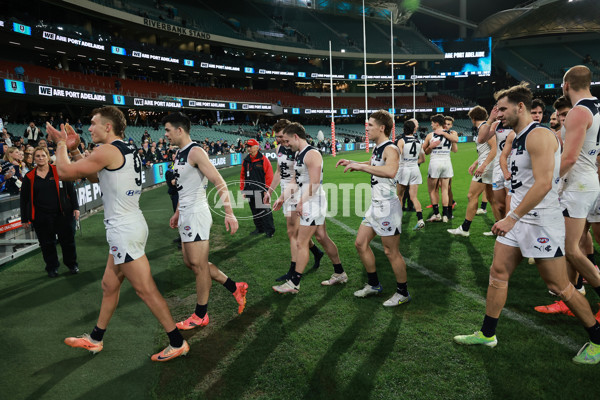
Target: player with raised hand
<point>384,216</point>
<point>118,169</point>
<point>192,169</point>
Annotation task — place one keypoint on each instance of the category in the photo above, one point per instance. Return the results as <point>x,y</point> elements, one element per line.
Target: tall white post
<point>333,143</point>
<point>365,63</point>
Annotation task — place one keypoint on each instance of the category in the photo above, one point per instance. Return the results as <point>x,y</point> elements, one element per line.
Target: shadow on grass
<point>178,379</point>
<point>46,292</point>
<point>363,381</point>
<point>322,381</point>
<point>57,372</point>
<point>248,362</point>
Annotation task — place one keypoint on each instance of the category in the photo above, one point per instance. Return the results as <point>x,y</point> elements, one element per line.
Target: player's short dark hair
<point>295,128</point>
<point>178,120</point>
<point>438,119</point>
<point>384,118</point>
<point>409,128</point>
<point>578,77</point>
<point>280,125</point>
<point>448,118</point>
<point>478,113</point>
<point>535,103</point>
<point>517,94</point>
<point>115,116</point>
<point>562,102</point>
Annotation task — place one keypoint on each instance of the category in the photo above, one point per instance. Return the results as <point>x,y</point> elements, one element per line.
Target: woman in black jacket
<point>51,205</point>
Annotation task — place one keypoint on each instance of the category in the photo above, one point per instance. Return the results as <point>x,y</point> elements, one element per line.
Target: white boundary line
<point>515,316</point>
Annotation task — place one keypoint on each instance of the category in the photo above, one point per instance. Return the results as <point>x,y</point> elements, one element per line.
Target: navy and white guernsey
<point>301,171</point>
<point>121,187</point>
<point>382,189</point>
<point>522,180</point>
<point>442,151</point>
<point>191,182</point>
<point>583,176</point>
<point>410,152</point>
<point>285,161</point>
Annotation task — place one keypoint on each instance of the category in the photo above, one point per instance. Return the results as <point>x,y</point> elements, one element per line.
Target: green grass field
<point>322,343</point>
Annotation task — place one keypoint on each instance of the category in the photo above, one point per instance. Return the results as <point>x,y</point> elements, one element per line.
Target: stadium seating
<point>283,25</point>
<point>102,84</point>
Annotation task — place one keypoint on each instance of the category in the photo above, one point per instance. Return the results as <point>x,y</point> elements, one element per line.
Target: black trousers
<point>47,227</point>
<point>261,213</point>
<point>174,200</point>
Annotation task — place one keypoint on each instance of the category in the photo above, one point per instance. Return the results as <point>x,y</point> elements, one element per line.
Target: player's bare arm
<point>487,130</point>
<point>427,145</point>
<point>490,157</point>
<point>505,153</point>
<point>577,123</point>
<point>344,163</point>
<point>388,170</point>
<point>199,159</point>
<point>451,136</point>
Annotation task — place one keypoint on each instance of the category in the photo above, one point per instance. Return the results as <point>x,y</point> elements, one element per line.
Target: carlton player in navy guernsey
<point>193,218</point>
<point>286,161</point>
<point>384,216</point>
<point>534,226</point>
<point>118,169</point>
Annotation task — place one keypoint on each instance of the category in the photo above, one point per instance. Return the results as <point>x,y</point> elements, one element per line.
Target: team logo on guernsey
<point>114,248</point>
<point>187,228</point>
<point>543,240</point>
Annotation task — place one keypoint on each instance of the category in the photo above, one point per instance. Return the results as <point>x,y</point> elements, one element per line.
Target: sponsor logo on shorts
<point>385,223</point>
<point>187,228</point>
<point>543,240</point>
<point>114,248</point>
<point>547,249</point>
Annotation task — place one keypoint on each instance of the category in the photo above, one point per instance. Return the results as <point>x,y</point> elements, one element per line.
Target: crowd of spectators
<point>16,148</point>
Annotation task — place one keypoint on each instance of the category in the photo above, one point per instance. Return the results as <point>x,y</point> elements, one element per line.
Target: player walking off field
<point>384,216</point>
<point>481,169</point>
<point>439,144</point>
<point>118,169</point>
<point>409,174</point>
<point>193,218</point>
<point>283,176</point>
<point>311,207</point>
<point>534,227</point>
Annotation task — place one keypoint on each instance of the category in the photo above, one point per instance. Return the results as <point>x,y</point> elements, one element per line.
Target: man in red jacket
<point>255,179</point>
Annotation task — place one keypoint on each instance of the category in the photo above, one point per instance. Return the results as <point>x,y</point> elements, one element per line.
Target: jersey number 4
<point>413,150</point>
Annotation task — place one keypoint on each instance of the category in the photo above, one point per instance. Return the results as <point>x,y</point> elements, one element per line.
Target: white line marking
<point>558,338</point>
